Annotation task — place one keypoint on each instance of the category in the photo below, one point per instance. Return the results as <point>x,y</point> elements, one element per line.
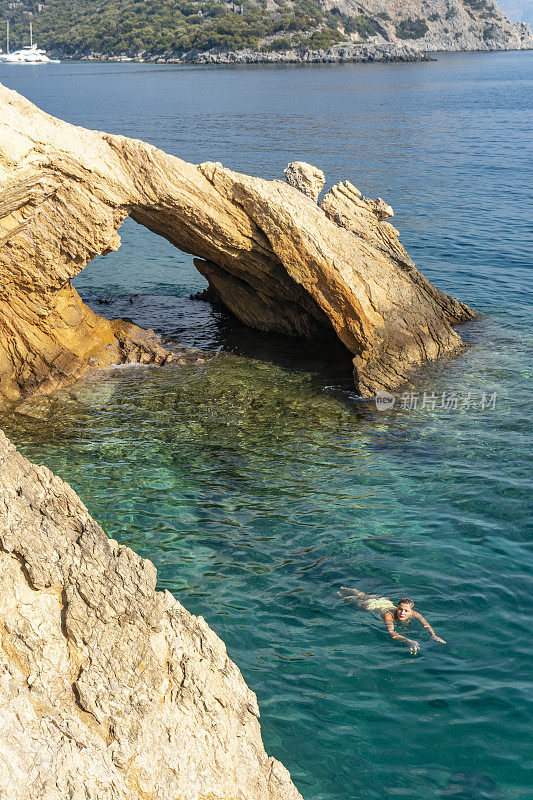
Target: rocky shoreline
<point>338,54</point>
<point>345,52</point>
<point>274,32</point>
<point>109,689</point>
<point>341,53</point>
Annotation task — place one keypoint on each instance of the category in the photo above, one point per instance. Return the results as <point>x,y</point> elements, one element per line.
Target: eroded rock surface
<point>305,177</point>
<point>110,690</point>
<point>275,258</point>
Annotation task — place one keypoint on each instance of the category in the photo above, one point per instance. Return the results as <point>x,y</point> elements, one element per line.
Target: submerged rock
<point>276,260</point>
<point>110,690</point>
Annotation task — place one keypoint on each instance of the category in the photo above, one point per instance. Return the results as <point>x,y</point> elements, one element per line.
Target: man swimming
<point>402,613</point>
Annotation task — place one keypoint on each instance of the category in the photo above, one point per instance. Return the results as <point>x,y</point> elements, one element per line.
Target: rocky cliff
<point>389,30</point>
<point>356,52</point>
<point>110,690</point>
<point>273,256</point>
<point>440,25</point>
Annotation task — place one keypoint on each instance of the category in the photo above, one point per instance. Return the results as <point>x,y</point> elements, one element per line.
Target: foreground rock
<point>110,690</point>
<point>276,259</point>
<point>306,178</point>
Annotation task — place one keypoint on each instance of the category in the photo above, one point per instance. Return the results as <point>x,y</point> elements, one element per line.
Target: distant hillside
<point>167,29</point>
<point>449,24</point>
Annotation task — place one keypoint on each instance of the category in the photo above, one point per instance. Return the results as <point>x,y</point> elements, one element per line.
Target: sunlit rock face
<point>440,25</point>
<point>305,177</point>
<point>110,690</point>
<point>272,256</point>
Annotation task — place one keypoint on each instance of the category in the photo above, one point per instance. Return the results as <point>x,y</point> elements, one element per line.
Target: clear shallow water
<point>257,482</point>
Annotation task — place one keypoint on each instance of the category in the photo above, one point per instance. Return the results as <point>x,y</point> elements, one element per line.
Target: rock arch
<point>275,258</point>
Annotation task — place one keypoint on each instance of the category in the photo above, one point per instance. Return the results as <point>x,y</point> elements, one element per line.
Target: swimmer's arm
<point>428,627</point>
<point>388,619</point>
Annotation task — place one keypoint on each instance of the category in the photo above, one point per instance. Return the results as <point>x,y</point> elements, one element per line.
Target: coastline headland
<point>276,258</point>
<point>267,31</point>
<point>321,31</point>
<point>345,52</point>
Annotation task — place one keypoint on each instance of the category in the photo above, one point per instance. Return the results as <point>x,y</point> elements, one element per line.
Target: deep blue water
<point>259,484</point>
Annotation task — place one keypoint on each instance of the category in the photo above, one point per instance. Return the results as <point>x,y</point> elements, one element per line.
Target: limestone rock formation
<point>440,25</point>
<point>275,258</point>
<point>305,177</point>
<point>380,50</point>
<point>345,205</point>
<point>110,690</point>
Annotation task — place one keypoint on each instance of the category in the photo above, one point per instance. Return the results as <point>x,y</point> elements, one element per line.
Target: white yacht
<point>30,54</point>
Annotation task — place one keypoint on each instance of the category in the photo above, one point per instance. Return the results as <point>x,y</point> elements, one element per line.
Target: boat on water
<point>29,54</point>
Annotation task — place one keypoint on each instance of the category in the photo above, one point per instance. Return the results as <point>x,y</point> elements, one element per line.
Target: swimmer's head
<point>405,608</point>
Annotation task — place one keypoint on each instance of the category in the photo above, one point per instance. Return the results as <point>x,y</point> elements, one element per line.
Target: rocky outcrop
<point>354,52</point>
<point>110,690</point>
<point>346,51</point>
<point>275,258</point>
<point>443,25</point>
<point>306,178</point>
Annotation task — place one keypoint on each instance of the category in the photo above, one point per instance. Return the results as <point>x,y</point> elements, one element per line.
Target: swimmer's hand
<point>438,639</point>
<point>413,646</point>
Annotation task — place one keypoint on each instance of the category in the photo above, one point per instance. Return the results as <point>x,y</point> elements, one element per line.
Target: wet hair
<point>406,600</point>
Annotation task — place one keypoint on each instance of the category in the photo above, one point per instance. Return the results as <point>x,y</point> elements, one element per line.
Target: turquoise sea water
<point>259,484</point>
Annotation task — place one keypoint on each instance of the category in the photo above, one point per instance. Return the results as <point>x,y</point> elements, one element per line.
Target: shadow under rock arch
<point>154,284</point>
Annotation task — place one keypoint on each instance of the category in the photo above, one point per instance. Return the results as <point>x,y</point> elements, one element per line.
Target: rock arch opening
<point>154,285</point>
<point>149,282</point>
<point>277,260</point>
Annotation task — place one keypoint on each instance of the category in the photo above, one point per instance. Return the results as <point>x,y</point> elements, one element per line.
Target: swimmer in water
<point>403,613</point>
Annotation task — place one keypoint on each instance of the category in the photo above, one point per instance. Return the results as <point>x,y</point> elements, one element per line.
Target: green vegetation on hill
<point>113,27</point>
<point>170,28</point>
<point>412,28</point>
